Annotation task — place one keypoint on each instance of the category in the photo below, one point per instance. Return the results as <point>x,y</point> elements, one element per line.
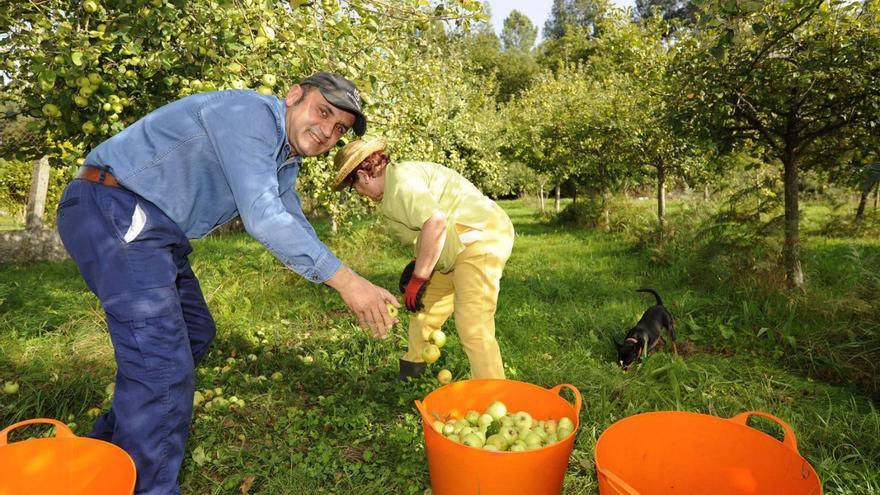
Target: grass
<point>336,423</point>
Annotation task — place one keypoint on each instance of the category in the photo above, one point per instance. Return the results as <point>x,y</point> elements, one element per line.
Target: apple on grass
<point>444,376</point>
<point>10,388</point>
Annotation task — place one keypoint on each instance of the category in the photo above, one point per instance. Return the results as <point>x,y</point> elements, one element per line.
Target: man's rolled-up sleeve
<point>243,135</point>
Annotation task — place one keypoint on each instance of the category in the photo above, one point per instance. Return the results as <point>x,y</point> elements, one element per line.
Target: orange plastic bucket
<point>64,464</point>
<point>457,469</point>
<point>689,453</point>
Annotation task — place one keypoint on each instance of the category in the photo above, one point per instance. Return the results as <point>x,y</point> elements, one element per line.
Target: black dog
<point>646,333</point>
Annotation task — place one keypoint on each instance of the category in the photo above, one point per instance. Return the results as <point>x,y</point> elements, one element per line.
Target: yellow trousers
<point>471,291</point>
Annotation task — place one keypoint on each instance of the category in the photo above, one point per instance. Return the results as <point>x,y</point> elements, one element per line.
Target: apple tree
<point>784,74</point>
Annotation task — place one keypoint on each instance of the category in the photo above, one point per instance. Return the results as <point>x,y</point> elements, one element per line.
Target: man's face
<point>314,125</point>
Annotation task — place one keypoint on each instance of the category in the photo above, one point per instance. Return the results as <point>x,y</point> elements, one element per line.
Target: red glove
<point>415,289</point>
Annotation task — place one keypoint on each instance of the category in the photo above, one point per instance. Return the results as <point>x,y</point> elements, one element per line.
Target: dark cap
<point>341,93</point>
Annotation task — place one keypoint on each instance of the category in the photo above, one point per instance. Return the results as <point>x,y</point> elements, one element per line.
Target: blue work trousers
<point>134,258</point>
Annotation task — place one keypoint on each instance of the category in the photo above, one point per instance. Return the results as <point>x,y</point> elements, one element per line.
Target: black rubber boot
<point>409,369</point>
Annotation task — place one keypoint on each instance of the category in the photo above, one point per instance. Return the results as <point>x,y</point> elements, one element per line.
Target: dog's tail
<point>652,291</point>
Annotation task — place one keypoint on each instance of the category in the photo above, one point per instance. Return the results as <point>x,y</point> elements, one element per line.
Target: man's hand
<point>366,301</point>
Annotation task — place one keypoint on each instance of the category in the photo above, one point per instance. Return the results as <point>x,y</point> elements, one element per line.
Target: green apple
<point>455,438</point>
<point>562,433</point>
<point>438,338</point>
<point>268,80</point>
<point>522,419</point>
<point>566,423</point>
<point>489,446</point>
<point>459,425</point>
<point>198,398</point>
<point>550,426</point>
<point>472,440</point>
<point>431,353</point>
<point>533,441</point>
<point>438,426</point>
<point>498,441</point>
<point>264,90</point>
<point>517,446</point>
<point>484,421</point>
<point>94,78</point>
<point>88,127</point>
<point>234,67</point>
<point>392,311</point>
<point>277,376</point>
<point>50,110</point>
<point>472,417</point>
<point>496,409</point>
<point>509,433</point>
<point>10,388</point>
<point>449,429</point>
<point>444,376</point>
<point>90,6</point>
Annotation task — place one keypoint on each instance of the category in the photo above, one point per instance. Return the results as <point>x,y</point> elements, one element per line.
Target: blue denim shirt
<point>207,158</point>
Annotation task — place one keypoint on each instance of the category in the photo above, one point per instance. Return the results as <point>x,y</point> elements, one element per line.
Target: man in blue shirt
<point>174,175</point>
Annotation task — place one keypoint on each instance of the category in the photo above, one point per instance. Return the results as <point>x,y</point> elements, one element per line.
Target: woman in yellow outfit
<point>462,240</point>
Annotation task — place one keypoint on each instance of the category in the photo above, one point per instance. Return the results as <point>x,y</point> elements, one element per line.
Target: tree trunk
<point>606,212</point>
<point>863,200</point>
<point>706,192</point>
<point>575,195</point>
<point>36,202</point>
<point>558,187</point>
<point>541,195</point>
<point>661,197</point>
<point>794,277</point>
<point>876,196</point>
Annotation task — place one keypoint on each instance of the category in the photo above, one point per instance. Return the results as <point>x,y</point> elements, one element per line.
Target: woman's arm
<point>431,241</point>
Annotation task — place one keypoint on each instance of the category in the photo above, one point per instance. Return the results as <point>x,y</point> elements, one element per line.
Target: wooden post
<point>36,204</point>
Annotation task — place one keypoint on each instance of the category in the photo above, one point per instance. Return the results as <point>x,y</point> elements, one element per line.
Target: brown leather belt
<point>98,175</point>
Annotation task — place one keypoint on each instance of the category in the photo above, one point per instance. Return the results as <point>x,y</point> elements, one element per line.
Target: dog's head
<point>628,352</point>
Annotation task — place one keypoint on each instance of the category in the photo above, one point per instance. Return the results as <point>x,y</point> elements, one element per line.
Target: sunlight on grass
<point>323,415</point>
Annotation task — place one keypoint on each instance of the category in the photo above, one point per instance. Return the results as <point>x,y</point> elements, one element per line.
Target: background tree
<point>512,69</point>
<point>568,31</point>
<point>667,9</point>
<point>84,73</point>
<point>518,32</point>
<point>785,75</point>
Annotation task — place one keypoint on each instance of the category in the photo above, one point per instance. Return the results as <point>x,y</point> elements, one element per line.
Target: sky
<point>536,10</point>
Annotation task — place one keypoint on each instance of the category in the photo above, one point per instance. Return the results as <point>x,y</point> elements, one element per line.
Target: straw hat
<point>352,154</point>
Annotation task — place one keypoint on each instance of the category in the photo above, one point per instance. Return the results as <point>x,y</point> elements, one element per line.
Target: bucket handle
<point>788,439</point>
<point>575,391</point>
<point>61,429</point>
<point>619,486</point>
